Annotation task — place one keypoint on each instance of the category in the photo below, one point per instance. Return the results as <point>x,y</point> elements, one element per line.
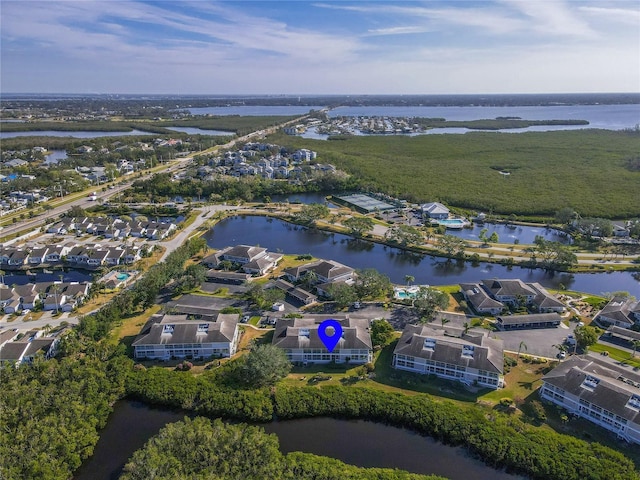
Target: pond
<point>54,156</point>
<point>509,233</point>
<point>277,235</point>
<point>356,442</point>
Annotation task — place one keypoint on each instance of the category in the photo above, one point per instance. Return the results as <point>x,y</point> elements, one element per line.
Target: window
<point>168,329</point>
<point>429,344</point>
<point>590,382</point>
<point>467,351</point>
<point>634,402</point>
<point>203,328</point>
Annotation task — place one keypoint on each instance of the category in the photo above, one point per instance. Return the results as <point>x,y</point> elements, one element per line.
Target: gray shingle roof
<point>186,331</point>
<point>288,333</point>
<point>487,352</point>
<point>613,390</point>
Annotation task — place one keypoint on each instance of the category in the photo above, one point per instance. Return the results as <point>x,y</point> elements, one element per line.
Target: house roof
<point>623,333</point>
<point>187,331</point>
<point>487,352</point>
<point>543,298</point>
<point>435,208</point>
<point>291,333</point>
<point>533,318</point>
<point>244,251</point>
<point>479,297</point>
<point>508,287</point>
<point>324,268</point>
<point>619,308</point>
<point>615,386</point>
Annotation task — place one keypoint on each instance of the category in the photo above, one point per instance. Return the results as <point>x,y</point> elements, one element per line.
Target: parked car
<point>562,355</point>
<point>245,319</point>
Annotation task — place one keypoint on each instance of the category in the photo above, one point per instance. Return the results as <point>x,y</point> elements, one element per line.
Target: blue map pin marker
<point>330,341</point>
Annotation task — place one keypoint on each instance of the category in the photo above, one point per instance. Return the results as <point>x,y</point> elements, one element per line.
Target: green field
<point>583,169</point>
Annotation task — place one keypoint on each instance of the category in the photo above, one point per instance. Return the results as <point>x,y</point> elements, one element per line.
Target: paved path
<point>186,232</point>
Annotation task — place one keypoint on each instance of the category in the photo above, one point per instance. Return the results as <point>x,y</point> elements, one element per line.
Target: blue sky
<point>325,47</point>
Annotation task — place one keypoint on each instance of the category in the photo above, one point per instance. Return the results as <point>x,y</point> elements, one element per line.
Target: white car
<point>562,355</point>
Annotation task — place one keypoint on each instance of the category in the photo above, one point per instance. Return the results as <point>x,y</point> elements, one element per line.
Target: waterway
<point>356,442</point>
<point>610,117</point>
<point>510,233</point>
<point>200,131</point>
<point>73,134</point>
<point>255,110</point>
<point>278,235</point>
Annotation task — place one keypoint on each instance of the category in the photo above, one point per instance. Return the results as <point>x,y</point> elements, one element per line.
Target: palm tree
<point>2,274</point>
<point>636,345</point>
<point>409,279</point>
<point>467,327</point>
<point>444,321</point>
<point>521,347</point>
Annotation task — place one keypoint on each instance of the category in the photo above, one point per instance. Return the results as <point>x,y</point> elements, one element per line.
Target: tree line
<point>201,448</point>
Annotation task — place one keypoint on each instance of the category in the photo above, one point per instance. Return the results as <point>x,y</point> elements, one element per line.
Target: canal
<point>278,235</point>
<point>357,442</point>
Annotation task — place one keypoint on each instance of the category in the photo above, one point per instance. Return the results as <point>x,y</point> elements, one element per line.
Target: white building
<point>299,339</point>
<point>471,359</point>
<point>173,336</point>
<point>598,389</point>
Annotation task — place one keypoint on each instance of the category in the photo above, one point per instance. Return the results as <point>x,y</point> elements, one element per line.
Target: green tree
<point>494,238</point>
<point>522,346</point>
<point>342,294</point>
<point>586,336</point>
<point>404,235</point>
<point>565,215</point>
<point>382,332</point>
<point>450,245</point>
<point>409,279</point>
<point>370,283</point>
<point>358,225</point>
<point>264,365</point>
<point>428,301</point>
<point>201,448</point>
<point>309,214</point>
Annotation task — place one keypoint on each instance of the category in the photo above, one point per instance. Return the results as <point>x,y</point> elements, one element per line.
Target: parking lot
<point>540,342</point>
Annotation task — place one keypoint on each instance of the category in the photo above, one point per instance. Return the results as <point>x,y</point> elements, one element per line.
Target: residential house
<point>513,292</point>
<point>28,294</point>
<point>620,312</point>
<point>299,339</point>
<point>598,389</point>
<point>544,302</point>
<point>56,253</point>
<point>323,271</point>
<point>115,256</point>
<point>38,255</point>
<point>306,298</point>
<point>174,336</point>
<point>479,299</point>
<point>26,349</point>
<point>75,295</point>
<point>435,211</point>
<point>473,359</point>
<point>18,259</point>
<point>254,260</point>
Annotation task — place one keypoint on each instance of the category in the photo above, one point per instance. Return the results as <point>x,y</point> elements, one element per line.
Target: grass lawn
<point>617,354</point>
<point>130,327</point>
<point>521,381</point>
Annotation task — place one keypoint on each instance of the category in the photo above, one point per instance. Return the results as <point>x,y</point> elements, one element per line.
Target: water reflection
<point>277,235</point>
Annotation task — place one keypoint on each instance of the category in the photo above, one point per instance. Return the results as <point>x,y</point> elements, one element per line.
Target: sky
<point>319,47</point>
